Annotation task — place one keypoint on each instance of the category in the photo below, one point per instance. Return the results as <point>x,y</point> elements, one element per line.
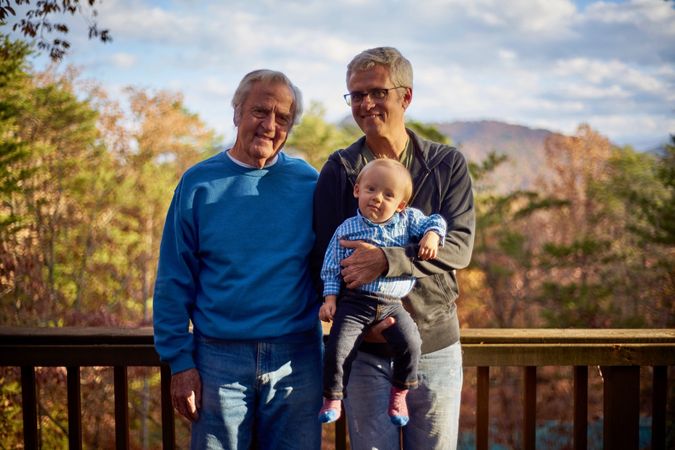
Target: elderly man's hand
<point>364,265</point>
<point>186,393</point>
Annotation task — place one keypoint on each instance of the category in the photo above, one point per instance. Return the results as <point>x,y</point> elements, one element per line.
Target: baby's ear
<point>401,206</point>
<point>356,190</point>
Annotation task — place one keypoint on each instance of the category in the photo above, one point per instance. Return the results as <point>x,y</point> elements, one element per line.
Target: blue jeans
<point>433,407</point>
<point>265,393</point>
<point>356,312</point>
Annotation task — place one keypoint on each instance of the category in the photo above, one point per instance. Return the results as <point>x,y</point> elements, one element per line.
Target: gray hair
<point>400,69</point>
<point>265,76</point>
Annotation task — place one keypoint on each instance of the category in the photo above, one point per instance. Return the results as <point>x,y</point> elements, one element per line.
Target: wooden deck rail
<point>619,352</point>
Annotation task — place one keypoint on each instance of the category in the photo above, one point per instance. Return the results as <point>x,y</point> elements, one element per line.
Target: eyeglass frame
<point>370,93</point>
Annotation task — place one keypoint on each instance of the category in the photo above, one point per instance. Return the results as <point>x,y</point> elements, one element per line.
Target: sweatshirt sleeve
<point>328,198</point>
<point>330,272</point>
<point>457,208</point>
<point>175,287</point>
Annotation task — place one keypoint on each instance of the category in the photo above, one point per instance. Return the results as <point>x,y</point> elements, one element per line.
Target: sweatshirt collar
<point>269,163</point>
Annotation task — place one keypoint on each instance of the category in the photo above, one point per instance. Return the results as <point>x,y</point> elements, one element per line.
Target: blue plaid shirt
<point>398,231</point>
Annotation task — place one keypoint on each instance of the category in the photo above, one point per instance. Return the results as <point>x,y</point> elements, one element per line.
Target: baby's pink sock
<point>398,409</point>
<point>330,411</point>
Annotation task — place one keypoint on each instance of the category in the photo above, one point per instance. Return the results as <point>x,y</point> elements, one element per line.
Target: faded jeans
<point>433,407</point>
<point>262,392</point>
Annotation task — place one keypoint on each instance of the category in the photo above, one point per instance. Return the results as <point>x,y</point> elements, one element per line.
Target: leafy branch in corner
<point>37,22</point>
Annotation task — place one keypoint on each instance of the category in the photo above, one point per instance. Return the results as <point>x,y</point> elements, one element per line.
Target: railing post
<point>482,407</point>
<point>341,433</point>
<point>74,409</point>
<point>659,396</point>
<point>29,406</point>
<point>580,407</point>
<point>168,425</point>
<point>530,401</point>
<point>621,392</point>
<point>121,408</point>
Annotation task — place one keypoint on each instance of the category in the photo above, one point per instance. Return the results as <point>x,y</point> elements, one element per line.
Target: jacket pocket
<point>445,291</point>
<point>432,299</point>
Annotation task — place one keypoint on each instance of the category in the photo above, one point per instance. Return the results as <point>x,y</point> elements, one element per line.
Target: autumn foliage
<point>86,178</point>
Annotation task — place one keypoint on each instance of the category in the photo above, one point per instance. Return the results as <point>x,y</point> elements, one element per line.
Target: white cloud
<point>657,14</point>
<point>553,63</point>
<point>593,71</point>
<point>587,92</point>
<point>507,56</point>
<point>134,20</point>
<point>216,87</point>
<point>645,131</point>
<point>524,15</point>
<point>638,31</point>
<point>615,77</point>
<point>123,60</point>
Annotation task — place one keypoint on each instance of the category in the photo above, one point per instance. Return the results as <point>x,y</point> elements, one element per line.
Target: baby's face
<point>380,193</point>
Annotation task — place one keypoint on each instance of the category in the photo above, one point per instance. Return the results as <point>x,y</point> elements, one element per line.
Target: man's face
<point>265,118</point>
<point>380,193</point>
<point>378,118</point>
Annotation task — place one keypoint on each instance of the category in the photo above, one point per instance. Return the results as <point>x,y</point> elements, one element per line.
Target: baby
<point>383,189</point>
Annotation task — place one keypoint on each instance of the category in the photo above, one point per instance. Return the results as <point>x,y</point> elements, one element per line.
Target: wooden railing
<point>620,353</point>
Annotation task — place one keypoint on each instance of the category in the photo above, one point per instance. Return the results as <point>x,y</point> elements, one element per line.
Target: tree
<point>14,93</point>
<point>165,139</point>
<point>59,134</point>
<point>84,187</point>
<point>428,132</point>
<point>576,291</point>
<point>654,197</point>
<point>56,135</point>
<point>37,22</point>
<point>599,272</point>
<point>315,139</point>
<point>504,268</point>
<point>83,193</point>
<point>644,186</point>
<point>499,284</point>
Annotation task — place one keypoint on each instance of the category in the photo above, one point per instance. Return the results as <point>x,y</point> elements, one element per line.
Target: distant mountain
<point>523,146</point>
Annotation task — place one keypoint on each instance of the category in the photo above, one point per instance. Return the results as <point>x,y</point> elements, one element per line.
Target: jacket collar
<point>424,162</point>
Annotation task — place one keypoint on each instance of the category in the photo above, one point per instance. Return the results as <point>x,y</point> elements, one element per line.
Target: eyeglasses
<point>378,95</point>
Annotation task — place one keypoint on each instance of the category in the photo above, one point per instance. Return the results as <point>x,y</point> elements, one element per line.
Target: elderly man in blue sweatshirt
<point>234,264</point>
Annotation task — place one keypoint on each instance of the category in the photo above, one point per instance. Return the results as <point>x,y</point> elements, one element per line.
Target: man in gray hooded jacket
<point>379,81</point>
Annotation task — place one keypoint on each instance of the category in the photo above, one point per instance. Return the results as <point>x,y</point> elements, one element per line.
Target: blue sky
<point>540,63</point>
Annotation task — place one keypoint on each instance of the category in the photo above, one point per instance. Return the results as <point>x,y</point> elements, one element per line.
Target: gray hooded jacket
<point>441,184</point>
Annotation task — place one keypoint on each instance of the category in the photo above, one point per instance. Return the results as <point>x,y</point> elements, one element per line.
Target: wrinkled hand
<point>429,246</point>
<point>327,310</point>
<point>364,265</point>
<point>186,393</point>
<point>375,333</point>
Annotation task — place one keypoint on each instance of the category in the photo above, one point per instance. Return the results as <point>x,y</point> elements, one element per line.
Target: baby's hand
<point>327,310</point>
<point>429,246</point>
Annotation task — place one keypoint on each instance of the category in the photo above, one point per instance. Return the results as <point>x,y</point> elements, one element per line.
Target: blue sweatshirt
<point>234,256</point>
